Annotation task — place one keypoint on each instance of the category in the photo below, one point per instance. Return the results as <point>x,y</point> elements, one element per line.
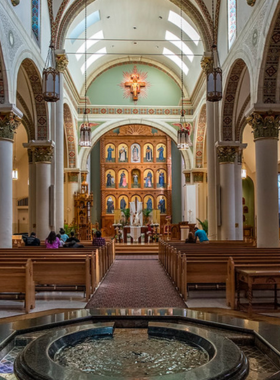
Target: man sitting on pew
<point>98,240</point>
<point>201,235</point>
<point>72,238</point>
<point>31,240</point>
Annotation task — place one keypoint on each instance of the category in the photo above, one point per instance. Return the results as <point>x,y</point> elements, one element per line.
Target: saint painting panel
<point>161,178</point>
<point>161,204</point>
<point>148,153</point>
<point>149,202</point>
<point>161,153</point>
<point>123,179</point>
<point>123,202</point>
<point>135,178</point>
<point>110,153</point>
<point>136,198</point>
<point>148,178</point>
<point>110,204</point>
<point>123,153</point>
<point>135,152</point>
<point>110,179</point>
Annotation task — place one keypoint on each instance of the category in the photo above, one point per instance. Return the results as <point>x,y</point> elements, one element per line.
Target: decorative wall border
<point>272,64</point>
<point>103,110</point>
<point>36,85</point>
<point>200,137</point>
<point>230,95</point>
<point>70,133</point>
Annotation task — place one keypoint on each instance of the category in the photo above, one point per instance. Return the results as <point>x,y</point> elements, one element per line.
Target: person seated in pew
<point>52,242</point>
<point>190,238</point>
<point>61,241</point>
<point>64,236</point>
<point>72,238</point>
<point>201,235</point>
<point>31,240</point>
<point>98,240</point>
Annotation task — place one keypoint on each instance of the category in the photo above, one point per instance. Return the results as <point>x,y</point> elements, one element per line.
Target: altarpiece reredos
<point>135,163</point>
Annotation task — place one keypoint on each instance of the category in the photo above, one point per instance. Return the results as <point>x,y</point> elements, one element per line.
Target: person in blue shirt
<point>201,235</point>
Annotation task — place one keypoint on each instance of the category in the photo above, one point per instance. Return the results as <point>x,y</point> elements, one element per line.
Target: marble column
<point>238,197</point>
<point>8,124</point>
<point>207,64</point>
<point>226,156</point>
<point>61,65</point>
<point>266,129</point>
<point>32,192</point>
<point>43,155</point>
<point>72,188</point>
<point>198,180</point>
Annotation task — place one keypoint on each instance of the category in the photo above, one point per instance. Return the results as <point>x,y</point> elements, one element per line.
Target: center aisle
<point>136,281</point>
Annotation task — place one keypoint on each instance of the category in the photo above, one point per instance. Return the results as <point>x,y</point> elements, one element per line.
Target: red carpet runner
<point>136,282</point>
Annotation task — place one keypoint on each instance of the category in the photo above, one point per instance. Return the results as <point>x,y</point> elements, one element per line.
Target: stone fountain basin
<point>36,362</point>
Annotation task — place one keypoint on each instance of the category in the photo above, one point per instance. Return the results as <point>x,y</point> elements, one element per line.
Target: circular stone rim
<point>226,359</point>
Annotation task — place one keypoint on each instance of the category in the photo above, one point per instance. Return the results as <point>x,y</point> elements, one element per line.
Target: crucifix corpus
<point>135,85</point>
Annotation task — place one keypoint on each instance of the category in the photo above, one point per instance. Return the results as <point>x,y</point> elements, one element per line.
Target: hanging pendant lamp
<point>183,134</point>
<point>51,80</point>
<point>85,130</point>
<point>214,74</point>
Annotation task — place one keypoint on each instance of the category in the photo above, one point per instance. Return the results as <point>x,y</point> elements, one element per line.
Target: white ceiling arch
<point>132,30</point>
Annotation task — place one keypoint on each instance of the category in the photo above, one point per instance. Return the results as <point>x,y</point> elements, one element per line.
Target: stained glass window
<point>231,21</point>
<point>36,18</point>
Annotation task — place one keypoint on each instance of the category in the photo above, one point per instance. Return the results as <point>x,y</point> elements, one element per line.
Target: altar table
<point>133,230</point>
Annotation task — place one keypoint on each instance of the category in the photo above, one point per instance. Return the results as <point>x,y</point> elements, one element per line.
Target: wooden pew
<point>19,279</point>
<point>268,263</point>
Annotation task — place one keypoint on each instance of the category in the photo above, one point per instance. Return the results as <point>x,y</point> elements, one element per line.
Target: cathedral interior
<point>141,119</point>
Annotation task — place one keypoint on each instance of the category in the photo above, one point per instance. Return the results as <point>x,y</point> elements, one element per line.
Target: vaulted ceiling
<point>148,30</point>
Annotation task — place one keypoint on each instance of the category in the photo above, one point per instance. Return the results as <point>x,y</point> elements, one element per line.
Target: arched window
<point>35,19</point>
<point>231,22</point>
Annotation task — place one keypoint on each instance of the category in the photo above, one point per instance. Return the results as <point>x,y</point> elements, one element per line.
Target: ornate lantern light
<point>85,131</point>
<point>51,80</point>
<point>214,72</point>
<point>183,134</point>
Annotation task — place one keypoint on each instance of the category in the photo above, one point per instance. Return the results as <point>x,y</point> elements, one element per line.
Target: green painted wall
<point>248,195</point>
<point>105,89</point>
<point>95,183</point>
<point>176,184</point>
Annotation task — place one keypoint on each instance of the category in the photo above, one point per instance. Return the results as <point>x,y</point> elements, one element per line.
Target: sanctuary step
<point>143,249</point>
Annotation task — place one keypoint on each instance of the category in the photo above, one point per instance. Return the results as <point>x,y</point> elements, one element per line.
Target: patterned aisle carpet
<point>137,282</point>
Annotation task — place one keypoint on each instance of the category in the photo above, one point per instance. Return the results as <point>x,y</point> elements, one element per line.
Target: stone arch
<point>70,136</point>
<point>241,120</point>
<point>269,76</point>
<point>187,7</point>
<point>40,105</point>
<point>200,138</point>
<point>3,80</point>
<point>233,82</point>
<point>106,127</point>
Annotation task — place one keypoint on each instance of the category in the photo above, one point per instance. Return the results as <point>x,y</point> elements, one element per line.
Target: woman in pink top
<point>52,242</point>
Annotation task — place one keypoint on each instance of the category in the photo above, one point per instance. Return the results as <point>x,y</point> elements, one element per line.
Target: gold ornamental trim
<point>9,122</point>
<point>61,62</point>
<point>206,64</point>
<point>226,154</point>
<point>43,153</point>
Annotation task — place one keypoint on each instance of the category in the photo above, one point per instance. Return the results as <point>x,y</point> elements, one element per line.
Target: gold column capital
<point>264,125</point>
<point>61,62</point>
<point>9,122</point>
<point>206,64</point>
<point>251,2</point>
<point>226,154</point>
<point>43,153</point>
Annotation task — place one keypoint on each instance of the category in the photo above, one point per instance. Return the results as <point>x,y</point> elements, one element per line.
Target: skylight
<point>169,54</point>
<point>80,28</point>
<point>181,45</point>
<point>93,58</point>
<point>187,28</point>
<point>90,42</point>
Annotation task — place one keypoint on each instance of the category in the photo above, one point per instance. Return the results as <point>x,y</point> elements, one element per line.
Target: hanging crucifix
<point>135,85</point>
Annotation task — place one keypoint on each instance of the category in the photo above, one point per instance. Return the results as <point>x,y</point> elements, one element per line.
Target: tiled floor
<point>44,301</point>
